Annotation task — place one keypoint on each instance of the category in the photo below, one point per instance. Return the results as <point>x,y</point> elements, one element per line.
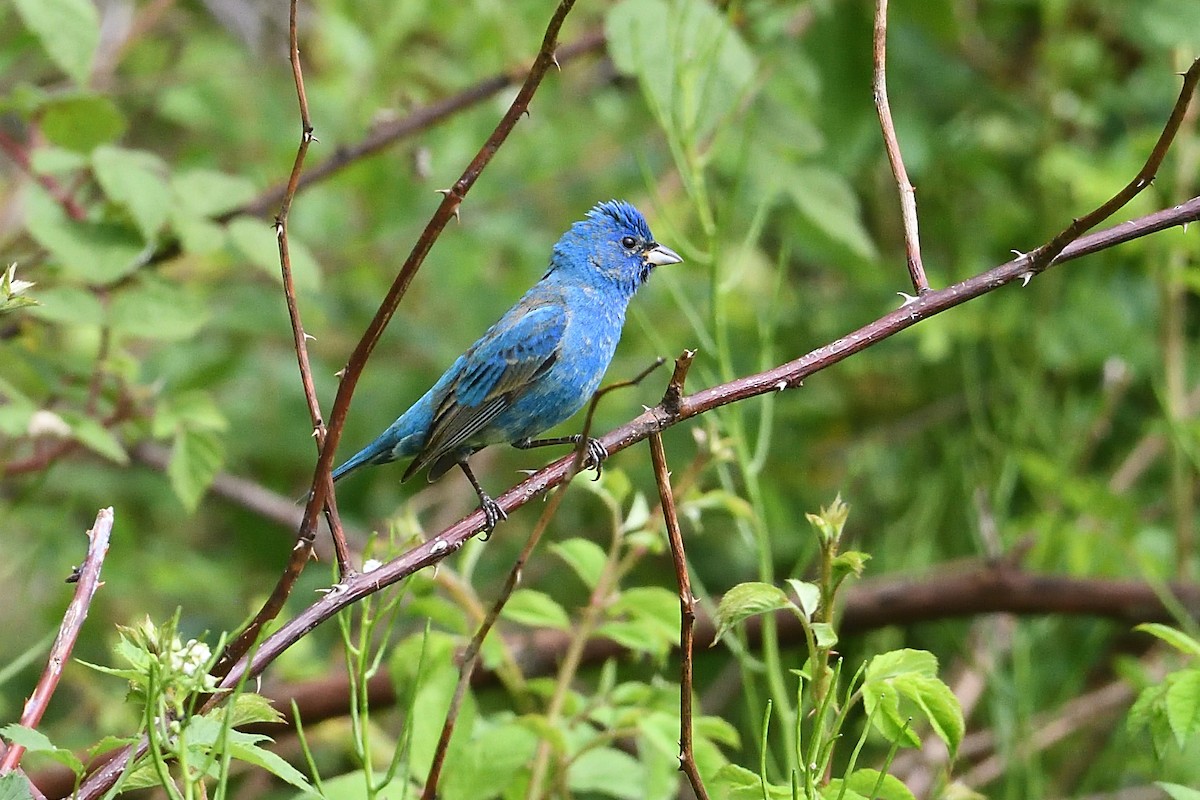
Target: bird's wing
<point>501,365</point>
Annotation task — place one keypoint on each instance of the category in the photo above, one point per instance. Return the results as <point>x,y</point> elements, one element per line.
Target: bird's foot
<point>492,514</point>
<point>594,456</point>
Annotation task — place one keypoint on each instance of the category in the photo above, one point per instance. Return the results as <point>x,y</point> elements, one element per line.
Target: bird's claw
<point>492,514</point>
<point>594,457</point>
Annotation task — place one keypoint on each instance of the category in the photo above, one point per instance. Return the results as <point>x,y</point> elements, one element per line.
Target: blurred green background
<point>746,133</point>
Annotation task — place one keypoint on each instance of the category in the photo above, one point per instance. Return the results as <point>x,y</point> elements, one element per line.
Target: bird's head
<point>614,244</point>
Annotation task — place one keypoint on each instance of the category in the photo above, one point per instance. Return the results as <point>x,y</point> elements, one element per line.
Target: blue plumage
<point>539,364</point>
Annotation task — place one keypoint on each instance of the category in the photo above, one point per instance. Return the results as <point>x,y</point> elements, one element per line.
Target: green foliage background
<point>1000,422</point>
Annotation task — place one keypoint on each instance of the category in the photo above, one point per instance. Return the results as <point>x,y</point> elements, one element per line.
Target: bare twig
<point>447,209</point>
<point>908,195</point>
<point>1045,255</point>
<point>471,656</point>
<point>18,155</point>
<point>300,338</point>
<point>687,615</point>
<point>87,580</point>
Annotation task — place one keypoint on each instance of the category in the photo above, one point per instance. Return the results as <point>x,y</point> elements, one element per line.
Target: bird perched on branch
<point>538,365</point>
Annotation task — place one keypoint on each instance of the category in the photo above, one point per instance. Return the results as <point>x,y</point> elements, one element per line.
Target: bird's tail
<point>377,452</point>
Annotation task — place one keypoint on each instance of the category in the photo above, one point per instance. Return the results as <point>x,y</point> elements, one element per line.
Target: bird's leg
<point>593,458</point>
<point>492,512</point>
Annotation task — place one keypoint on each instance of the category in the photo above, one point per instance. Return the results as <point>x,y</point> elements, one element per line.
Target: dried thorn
<point>1020,256</point>
<point>308,337</point>
<point>909,299</point>
<point>1185,226</point>
<point>316,432</point>
<point>779,387</point>
<point>341,373</point>
<point>1025,277</point>
<point>439,546</point>
<point>525,112</point>
<point>443,192</point>
<point>278,228</point>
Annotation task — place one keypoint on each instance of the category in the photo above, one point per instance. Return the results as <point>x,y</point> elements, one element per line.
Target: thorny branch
<point>452,198</point>
<point>687,615</point>
<point>87,580</point>
<point>908,195</point>
<point>779,378</point>
<point>300,338</point>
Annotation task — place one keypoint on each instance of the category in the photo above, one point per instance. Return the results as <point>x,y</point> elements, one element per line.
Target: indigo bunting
<point>538,365</point>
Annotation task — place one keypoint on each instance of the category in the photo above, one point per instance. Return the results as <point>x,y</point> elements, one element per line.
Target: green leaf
<point>1176,638</point>
<point>655,605</point>
<point>638,635</point>
<point>249,708</point>
<point>851,562</point>
<point>89,432</point>
<point>824,634</point>
<point>81,122</point>
<point>243,750</point>
<point>50,160</point>
<point>1183,704</point>
<point>196,456</point>
<point>152,308</point>
<point>864,781</point>
<point>584,557</point>
<point>1178,792</point>
<point>135,179</point>
<point>257,242</point>
<point>191,410</point>
<point>828,204</point>
<point>607,771</point>
<point>207,193</point>
<point>36,742</point>
<point>902,682</point>
<point>535,609</point>
<point>690,61</point>
<point>96,252</point>
<point>492,763</point>
<point>748,600</point>
<point>15,786</point>
<point>808,596</point>
<point>69,31</point>
<point>69,304</point>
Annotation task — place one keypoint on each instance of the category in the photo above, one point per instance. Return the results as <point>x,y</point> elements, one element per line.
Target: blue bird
<point>538,365</point>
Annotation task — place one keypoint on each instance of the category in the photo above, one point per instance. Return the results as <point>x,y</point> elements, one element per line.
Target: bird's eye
<point>629,242</point>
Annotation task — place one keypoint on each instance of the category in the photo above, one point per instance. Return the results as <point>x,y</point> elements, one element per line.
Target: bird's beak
<point>660,255</point>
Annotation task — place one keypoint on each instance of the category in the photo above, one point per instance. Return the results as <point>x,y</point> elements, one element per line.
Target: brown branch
<point>908,195</point>
<point>967,591</point>
<point>687,613</point>
<point>784,376</point>
<point>87,580</point>
<point>448,208</point>
<point>300,339</point>
<point>17,154</point>
<point>421,119</point>
<point>125,410</point>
